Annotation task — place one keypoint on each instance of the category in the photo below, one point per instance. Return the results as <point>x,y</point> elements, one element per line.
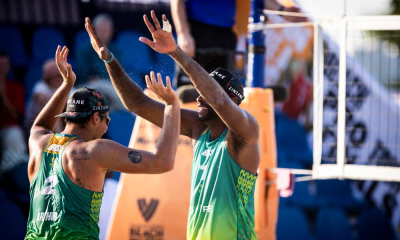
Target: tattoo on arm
<point>135,157</point>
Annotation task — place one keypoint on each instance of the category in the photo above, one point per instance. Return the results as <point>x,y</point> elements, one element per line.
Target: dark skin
<point>87,159</point>
<point>243,135</point>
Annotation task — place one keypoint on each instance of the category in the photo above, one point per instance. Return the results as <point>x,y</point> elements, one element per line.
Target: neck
<point>216,126</point>
<point>83,133</point>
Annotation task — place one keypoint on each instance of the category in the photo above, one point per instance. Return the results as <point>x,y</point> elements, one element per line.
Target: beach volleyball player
<point>67,170</point>
<point>225,138</point>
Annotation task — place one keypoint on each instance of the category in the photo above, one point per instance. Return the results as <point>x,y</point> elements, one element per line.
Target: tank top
<point>222,194</point>
<point>59,209</point>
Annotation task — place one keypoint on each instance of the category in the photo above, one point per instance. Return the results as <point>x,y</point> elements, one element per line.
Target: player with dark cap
<point>67,170</point>
<point>225,138</point>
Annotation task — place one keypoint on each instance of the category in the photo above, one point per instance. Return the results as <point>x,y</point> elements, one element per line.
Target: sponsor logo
<point>217,74</point>
<point>76,101</point>
<point>147,232</point>
<point>147,210</point>
<point>46,216</point>
<point>208,152</point>
<point>54,147</point>
<point>208,209</point>
<point>98,108</point>
<point>236,92</point>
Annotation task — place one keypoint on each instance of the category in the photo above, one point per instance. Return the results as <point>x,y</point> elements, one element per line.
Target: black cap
<point>229,82</point>
<point>85,101</point>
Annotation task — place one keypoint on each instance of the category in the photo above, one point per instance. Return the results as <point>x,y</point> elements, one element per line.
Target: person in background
<point>42,92</point>
<point>208,24</point>
<point>13,145</point>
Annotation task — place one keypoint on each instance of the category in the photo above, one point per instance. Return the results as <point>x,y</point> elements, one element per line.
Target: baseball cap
<point>85,101</point>
<point>229,82</point>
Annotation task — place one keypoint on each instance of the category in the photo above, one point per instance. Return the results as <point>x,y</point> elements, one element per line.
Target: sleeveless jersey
<point>59,209</point>
<point>222,194</point>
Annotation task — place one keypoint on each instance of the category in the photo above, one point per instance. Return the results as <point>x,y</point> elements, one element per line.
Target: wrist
<point>67,83</point>
<point>111,58</point>
<point>173,104</point>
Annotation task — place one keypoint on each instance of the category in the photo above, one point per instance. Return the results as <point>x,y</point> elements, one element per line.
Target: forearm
<point>46,117</point>
<point>168,141</point>
<point>128,91</point>
<point>208,88</point>
<point>178,11</point>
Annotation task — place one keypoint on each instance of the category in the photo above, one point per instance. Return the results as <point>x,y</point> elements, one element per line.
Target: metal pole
<point>256,47</point>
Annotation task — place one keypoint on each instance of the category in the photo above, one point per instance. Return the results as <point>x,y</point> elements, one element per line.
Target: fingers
<point>69,70</point>
<point>154,82</point>
<point>62,53</point>
<point>148,24</point>
<point>155,20</point>
<point>65,54</point>
<point>160,82</point>
<point>58,53</point>
<point>168,80</point>
<point>148,82</point>
<point>147,41</point>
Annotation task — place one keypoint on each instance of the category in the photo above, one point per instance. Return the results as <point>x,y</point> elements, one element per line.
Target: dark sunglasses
<point>106,116</point>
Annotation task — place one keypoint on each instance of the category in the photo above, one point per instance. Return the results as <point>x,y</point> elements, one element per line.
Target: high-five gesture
<point>166,94</point>
<point>163,41</point>
<point>63,66</point>
<point>100,48</point>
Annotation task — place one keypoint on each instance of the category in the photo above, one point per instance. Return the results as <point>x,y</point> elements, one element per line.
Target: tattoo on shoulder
<point>135,157</point>
<point>80,155</point>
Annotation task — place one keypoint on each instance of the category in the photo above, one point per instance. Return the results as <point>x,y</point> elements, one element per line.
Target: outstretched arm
<point>117,157</point>
<point>45,121</point>
<point>132,95</point>
<point>238,120</point>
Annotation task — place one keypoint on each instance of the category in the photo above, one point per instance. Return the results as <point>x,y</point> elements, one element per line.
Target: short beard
<point>211,114</point>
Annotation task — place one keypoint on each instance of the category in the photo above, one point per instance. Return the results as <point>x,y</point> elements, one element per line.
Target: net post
<point>256,47</point>
<point>318,82</point>
<point>341,126</point>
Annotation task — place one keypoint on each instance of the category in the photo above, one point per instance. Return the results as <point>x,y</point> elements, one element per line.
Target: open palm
<point>64,67</point>
<point>163,41</point>
<point>97,44</point>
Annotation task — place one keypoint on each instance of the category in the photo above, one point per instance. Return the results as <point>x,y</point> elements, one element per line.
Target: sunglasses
<point>107,117</point>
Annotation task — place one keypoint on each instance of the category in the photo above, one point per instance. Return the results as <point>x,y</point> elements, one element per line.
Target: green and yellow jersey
<point>222,194</point>
<point>59,209</point>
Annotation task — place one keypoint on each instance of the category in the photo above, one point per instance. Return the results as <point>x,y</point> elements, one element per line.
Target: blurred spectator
<point>205,32</point>
<point>90,66</point>
<point>300,94</point>
<point>42,92</point>
<point>13,145</point>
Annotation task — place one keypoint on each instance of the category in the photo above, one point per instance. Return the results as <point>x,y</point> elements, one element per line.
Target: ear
<point>235,100</point>
<point>95,118</point>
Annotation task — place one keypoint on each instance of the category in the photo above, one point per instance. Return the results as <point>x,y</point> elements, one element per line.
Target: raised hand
<point>63,66</point>
<point>166,94</point>
<point>100,48</point>
<point>163,41</point>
